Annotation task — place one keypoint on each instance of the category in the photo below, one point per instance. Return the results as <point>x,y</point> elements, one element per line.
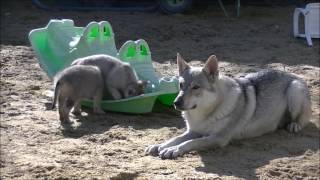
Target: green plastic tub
<point>59,43</point>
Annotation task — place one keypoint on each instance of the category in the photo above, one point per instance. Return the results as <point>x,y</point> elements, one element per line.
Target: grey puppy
<point>76,83</point>
<point>218,109</point>
<point>120,80</point>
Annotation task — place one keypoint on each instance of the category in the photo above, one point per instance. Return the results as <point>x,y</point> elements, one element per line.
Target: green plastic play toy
<point>60,43</point>
<point>137,53</point>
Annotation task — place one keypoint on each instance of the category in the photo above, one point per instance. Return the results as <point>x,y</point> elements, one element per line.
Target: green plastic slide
<point>60,43</point>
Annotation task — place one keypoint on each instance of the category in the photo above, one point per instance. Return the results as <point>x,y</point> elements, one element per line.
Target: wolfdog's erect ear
<point>211,66</point>
<point>182,65</point>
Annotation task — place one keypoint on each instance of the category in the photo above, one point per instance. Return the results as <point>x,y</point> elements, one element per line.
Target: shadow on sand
<point>89,123</point>
<point>242,158</point>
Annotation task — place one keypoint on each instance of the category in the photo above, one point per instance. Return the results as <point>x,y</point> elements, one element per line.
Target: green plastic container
<point>137,105</point>
<point>60,43</point>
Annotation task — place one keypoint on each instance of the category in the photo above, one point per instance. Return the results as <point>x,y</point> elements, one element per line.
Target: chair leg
<point>296,22</point>
<point>309,40</point>
<point>307,31</point>
<point>238,8</point>
<point>223,9</point>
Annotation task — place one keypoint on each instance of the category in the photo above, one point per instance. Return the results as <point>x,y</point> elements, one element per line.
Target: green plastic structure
<point>60,43</point>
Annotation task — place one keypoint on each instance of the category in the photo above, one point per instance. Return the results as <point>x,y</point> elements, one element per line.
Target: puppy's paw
<point>65,125</point>
<point>99,111</point>
<point>294,127</point>
<point>171,152</point>
<point>65,120</point>
<point>76,112</point>
<point>152,150</point>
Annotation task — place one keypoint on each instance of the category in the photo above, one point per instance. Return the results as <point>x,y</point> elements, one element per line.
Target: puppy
<point>120,80</point>
<point>74,84</point>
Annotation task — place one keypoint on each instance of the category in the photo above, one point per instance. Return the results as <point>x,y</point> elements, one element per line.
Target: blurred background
<point>242,32</point>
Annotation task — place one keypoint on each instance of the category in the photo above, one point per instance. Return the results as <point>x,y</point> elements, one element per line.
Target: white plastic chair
<point>311,22</point>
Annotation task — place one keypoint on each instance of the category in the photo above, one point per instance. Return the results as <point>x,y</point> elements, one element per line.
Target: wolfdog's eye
<point>196,87</point>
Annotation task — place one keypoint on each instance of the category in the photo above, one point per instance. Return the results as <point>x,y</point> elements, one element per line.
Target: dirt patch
<point>111,146</point>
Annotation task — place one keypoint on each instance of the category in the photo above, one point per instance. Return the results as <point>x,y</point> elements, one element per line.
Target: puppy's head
<point>132,86</point>
<point>135,88</point>
<point>198,87</point>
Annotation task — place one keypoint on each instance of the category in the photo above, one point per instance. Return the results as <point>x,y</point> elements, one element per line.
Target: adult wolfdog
<point>218,109</point>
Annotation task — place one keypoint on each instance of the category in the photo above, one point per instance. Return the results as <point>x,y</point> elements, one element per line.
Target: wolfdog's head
<point>198,86</point>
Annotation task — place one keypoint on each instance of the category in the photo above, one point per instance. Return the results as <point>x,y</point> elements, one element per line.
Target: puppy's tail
<point>56,94</point>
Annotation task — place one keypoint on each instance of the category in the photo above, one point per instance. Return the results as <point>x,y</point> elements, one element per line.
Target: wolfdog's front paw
<point>294,127</point>
<point>152,150</point>
<point>170,152</point>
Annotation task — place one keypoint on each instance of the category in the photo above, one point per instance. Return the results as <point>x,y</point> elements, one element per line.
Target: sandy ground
<point>111,146</point>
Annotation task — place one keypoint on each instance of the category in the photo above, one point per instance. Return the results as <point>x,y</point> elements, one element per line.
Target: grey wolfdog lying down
<point>218,109</point>
<point>120,80</point>
<point>76,83</point>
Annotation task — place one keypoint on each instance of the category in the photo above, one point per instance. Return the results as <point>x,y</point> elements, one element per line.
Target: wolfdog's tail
<point>299,105</point>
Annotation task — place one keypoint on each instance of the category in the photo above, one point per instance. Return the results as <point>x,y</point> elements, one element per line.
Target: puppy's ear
<point>182,65</point>
<point>211,66</point>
